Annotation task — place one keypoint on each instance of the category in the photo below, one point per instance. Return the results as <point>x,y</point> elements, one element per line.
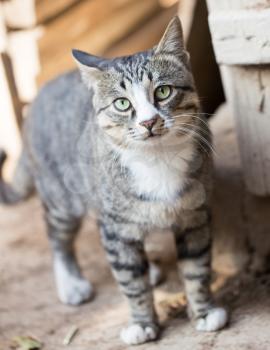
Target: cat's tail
<point>22,185</point>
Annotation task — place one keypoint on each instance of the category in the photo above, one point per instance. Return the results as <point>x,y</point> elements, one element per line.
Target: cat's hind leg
<point>72,288</point>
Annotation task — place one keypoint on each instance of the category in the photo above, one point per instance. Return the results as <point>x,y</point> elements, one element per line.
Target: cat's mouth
<point>152,134</point>
<point>149,136</point>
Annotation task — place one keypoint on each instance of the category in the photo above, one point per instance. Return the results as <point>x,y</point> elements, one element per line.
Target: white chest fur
<point>159,175</point>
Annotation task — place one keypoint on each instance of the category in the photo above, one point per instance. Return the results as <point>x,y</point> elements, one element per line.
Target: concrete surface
<point>29,305</point>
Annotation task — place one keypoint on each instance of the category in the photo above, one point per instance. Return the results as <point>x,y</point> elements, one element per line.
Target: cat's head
<point>146,97</point>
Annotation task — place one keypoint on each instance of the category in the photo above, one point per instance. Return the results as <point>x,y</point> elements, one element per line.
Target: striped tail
<point>22,184</point>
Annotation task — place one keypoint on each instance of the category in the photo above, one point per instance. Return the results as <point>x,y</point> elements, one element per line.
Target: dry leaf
<point>173,304</point>
<point>27,343</point>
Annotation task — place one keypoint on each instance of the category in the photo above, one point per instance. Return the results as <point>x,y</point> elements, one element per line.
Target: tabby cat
<point>125,138</point>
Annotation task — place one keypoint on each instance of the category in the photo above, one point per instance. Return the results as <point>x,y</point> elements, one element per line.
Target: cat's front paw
<point>138,334</point>
<point>216,319</point>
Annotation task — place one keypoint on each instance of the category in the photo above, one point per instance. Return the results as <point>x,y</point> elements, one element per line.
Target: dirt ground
<point>29,305</point>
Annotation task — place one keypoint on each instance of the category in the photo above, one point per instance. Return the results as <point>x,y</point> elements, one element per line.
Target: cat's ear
<point>172,40</point>
<point>89,66</point>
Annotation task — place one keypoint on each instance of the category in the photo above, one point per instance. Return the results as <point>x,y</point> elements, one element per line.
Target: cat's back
<point>56,123</point>
<point>60,105</point>
<point>58,116</point>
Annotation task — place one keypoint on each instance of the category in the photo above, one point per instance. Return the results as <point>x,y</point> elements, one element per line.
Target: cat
<point>124,137</point>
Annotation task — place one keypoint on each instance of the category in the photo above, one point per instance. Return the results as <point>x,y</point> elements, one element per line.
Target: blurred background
<point>36,38</point>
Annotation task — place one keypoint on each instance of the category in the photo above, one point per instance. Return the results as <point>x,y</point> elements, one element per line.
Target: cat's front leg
<point>125,251</point>
<point>194,259</point>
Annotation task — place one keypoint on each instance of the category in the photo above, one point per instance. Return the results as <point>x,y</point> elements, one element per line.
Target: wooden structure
<point>241,36</point>
<point>19,67</point>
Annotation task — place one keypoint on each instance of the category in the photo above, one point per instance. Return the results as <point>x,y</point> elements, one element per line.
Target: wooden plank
<point>12,88</point>
<point>121,22</point>
<point>228,5</point>
<point>10,103</point>
<point>91,28</point>
<point>151,32</point>
<point>47,10</point>
<point>242,36</point>
<point>81,21</point>
<point>251,109</point>
<point>24,54</point>
<point>3,32</point>
<point>19,13</point>
<point>9,132</point>
<point>21,46</point>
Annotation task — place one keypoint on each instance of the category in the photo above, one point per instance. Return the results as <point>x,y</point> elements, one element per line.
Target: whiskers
<point>192,125</point>
<point>136,135</point>
<point>199,133</point>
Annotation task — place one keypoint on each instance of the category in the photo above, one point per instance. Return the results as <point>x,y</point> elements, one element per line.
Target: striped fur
<point>83,154</point>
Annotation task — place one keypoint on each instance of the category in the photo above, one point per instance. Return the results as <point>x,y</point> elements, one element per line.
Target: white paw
<point>155,274</point>
<point>216,319</point>
<point>137,334</point>
<point>72,289</point>
<point>75,291</point>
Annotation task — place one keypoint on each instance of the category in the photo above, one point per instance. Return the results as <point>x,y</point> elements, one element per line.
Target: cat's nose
<point>148,124</point>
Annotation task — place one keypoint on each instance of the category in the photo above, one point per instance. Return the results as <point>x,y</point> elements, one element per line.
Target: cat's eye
<point>163,92</point>
<point>122,104</point>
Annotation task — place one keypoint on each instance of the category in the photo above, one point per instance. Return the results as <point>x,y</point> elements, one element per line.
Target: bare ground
<point>29,305</point>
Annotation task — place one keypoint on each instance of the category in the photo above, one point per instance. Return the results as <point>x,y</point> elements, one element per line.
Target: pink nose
<point>148,124</point>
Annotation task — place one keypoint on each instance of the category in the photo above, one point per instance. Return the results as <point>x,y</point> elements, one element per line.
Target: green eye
<point>122,104</point>
<point>163,92</point>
